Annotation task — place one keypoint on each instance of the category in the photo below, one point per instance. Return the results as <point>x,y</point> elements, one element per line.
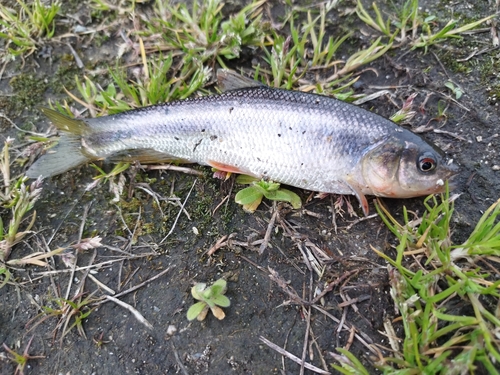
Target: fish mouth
<point>453,181</point>
<point>452,175</point>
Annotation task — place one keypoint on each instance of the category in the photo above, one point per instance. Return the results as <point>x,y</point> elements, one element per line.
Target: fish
<point>305,140</point>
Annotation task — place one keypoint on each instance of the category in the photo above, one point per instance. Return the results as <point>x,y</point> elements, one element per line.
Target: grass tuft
<point>23,28</point>
<point>426,291</point>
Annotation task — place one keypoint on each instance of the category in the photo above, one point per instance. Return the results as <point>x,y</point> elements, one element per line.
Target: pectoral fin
<point>228,168</point>
<point>363,202</point>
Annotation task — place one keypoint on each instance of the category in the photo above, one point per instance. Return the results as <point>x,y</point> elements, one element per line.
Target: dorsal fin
<point>231,80</point>
<point>67,124</point>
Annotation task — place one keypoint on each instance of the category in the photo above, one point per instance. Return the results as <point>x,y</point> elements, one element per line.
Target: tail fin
<point>67,153</point>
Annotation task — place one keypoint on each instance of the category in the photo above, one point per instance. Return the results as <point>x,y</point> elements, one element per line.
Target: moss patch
<point>28,91</point>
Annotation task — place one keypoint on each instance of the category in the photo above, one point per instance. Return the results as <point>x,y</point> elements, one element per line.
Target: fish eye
<point>426,162</point>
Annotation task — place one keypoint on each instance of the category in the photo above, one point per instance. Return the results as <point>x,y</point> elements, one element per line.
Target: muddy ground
<point>116,342</point>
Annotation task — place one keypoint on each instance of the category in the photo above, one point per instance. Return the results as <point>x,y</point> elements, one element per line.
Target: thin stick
<point>357,221</point>
<point>179,214</point>
<point>137,286</point>
<point>82,227</point>
<point>97,265</point>
<point>308,324</point>
<point>134,312</point>
<point>293,357</point>
<point>269,230</point>
<point>368,346</point>
<point>178,360</point>
<point>101,285</point>
<point>173,168</point>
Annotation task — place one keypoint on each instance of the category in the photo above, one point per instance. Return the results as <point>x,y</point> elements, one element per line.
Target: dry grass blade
<point>294,358</point>
<point>134,312</point>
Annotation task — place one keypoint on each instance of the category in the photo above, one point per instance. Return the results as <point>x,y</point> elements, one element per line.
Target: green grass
<point>407,26</point>
<point>18,198</point>
<point>429,278</point>
<point>21,360</point>
<point>23,28</point>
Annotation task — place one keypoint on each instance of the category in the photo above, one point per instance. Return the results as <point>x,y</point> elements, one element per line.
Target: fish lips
<point>452,173</point>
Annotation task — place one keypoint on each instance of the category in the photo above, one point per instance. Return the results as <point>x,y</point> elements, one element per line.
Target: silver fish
<point>304,140</point>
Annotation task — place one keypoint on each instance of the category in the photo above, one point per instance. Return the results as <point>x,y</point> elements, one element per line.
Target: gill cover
<point>405,168</point>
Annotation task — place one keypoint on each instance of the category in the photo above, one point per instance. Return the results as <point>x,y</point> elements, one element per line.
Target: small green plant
<point>406,113</point>
<point>455,89</point>
<point>123,6</point>
<point>21,360</point>
<point>23,28</point>
<point>19,198</point>
<point>409,21</point>
<point>211,298</point>
<point>198,32</point>
<point>251,197</point>
<point>70,314</point>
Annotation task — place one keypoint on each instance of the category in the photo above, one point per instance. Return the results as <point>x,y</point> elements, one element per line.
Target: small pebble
<point>171,330</point>
<point>496,167</point>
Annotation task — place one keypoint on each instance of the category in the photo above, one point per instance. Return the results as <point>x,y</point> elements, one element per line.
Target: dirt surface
<point>268,290</point>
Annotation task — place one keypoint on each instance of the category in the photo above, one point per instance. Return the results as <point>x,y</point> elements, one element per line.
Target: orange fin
<point>225,167</point>
<point>363,202</point>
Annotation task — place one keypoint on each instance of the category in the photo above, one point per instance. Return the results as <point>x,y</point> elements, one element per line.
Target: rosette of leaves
<point>251,197</point>
<point>211,298</point>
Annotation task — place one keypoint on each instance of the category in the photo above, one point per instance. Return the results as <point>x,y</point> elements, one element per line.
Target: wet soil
<point>268,290</point>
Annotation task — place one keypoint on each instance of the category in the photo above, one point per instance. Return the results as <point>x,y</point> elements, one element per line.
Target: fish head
<point>405,167</point>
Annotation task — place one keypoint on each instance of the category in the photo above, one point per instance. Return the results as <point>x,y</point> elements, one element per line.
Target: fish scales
<point>261,131</point>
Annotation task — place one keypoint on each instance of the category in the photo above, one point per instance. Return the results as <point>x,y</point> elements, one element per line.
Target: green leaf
<point>195,310</point>
<point>218,288</point>
<point>251,207</point>
<point>286,196</point>
<point>221,300</point>
<point>244,179</point>
<point>6,274</point>
<point>268,185</point>
<point>248,195</point>
<point>221,283</point>
<point>197,291</point>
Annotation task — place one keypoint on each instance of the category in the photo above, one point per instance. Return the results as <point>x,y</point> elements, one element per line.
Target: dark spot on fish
<point>231,109</point>
<point>317,101</point>
<point>203,130</point>
<point>301,164</point>
<point>176,138</point>
<point>213,137</point>
<point>290,128</point>
<point>197,144</point>
<point>279,135</point>
<point>265,172</point>
<point>258,159</point>
<point>304,132</point>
